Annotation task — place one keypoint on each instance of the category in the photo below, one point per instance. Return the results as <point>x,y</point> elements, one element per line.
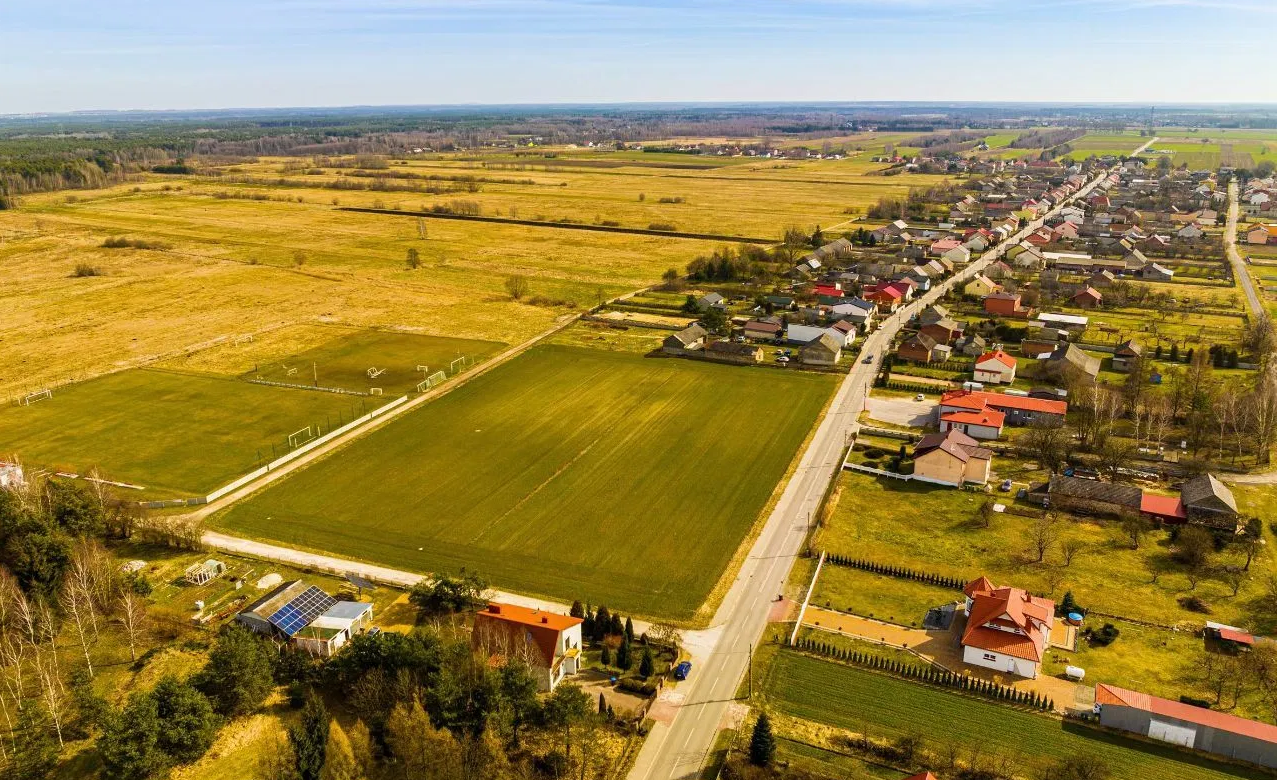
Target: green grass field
<point>850,698</point>
<point>566,472</point>
<point>172,433</point>
<point>344,361</point>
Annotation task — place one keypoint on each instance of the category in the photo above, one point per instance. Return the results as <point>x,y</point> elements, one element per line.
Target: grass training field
<point>860,700</point>
<point>172,433</point>
<point>345,360</point>
<point>566,472</point>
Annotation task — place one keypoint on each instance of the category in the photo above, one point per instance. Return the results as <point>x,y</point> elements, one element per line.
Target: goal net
<point>460,364</point>
<point>431,381</point>
<point>38,395</point>
<point>299,437</point>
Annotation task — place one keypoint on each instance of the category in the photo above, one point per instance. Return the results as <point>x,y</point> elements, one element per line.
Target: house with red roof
<point>887,297</point>
<point>1088,297</point>
<point>1014,409</point>
<point>995,368</point>
<point>1187,725</point>
<point>1007,629</point>
<point>1006,304</point>
<point>1040,237</point>
<point>549,642</point>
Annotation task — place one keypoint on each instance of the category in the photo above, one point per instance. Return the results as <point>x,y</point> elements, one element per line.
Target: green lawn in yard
<point>938,530</point>
<point>172,433</point>
<point>830,764</point>
<point>567,472</point>
<point>857,699</point>
<point>895,600</point>
<point>350,360</point>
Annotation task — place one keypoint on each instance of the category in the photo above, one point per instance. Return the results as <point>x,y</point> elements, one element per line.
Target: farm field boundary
<point>563,225</point>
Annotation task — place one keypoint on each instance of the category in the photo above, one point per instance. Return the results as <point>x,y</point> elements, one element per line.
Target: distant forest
<point>76,151</point>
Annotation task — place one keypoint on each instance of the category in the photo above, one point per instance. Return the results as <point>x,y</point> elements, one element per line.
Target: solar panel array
<point>301,610</point>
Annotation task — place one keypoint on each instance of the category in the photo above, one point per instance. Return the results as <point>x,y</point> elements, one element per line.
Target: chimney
<point>494,608</point>
<point>545,619</point>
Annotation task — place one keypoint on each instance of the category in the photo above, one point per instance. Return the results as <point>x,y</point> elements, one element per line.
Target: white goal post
<point>464,361</point>
<point>300,436</point>
<point>431,381</point>
<point>375,372</point>
<point>38,395</point>
<point>374,391</point>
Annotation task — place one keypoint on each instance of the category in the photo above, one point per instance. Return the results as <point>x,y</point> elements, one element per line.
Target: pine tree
<point>762,744</point>
<point>623,655</point>
<point>602,704</point>
<point>339,756</point>
<point>617,627</point>
<point>605,657</point>
<point>647,665</point>
<point>602,622</point>
<point>629,629</point>
<point>310,738</point>
<point>578,610</point>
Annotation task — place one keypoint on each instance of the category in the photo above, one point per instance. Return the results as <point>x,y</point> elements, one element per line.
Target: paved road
<point>1240,272</point>
<point>680,749</point>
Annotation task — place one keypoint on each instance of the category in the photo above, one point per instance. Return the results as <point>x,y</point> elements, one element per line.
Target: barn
<point>1187,725</point>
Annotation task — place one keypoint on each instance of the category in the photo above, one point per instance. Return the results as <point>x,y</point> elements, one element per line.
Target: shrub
<point>641,687</point>
<point>873,453</point>
<point>1194,604</point>
<point>85,269</point>
<point>1105,636</point>
<point>663,226</point>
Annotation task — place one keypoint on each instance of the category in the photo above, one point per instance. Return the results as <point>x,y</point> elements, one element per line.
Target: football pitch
<point>567,472</point>
<point>368,359</point>
<point>174,434</point>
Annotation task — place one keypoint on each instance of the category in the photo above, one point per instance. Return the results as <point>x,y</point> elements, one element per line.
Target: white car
<point>919,397</point>
<point>782,359</point>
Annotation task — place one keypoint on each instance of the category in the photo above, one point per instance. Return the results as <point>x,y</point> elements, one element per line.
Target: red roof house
<point>1007,628</point>
<point>1006,304</point>
<point>1088,297</point>
<point>550,642</point>
<point>1167,509</point>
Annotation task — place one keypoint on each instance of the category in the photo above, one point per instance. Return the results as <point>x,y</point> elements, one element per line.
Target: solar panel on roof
<point>301,610</point>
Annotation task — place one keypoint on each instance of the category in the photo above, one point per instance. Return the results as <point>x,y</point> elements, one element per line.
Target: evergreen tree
<point>602,622</point>
<point>238,674</point>
<point>190,725</point>
<point>602,704</point>
<point>309,738</point>
<point>605,657</point>
<point>519,701</point>
<point>629,629</point>
<point>578,610</point>
<point>129,744</point>
<point>762,744</point>
<point>34,751</point>
<point>624,657</point>
<point>617,627</point>
<point>647,664</point>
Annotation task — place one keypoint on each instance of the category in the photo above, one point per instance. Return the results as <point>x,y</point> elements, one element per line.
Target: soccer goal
<point>375,372</point>
<point>245,339</point>
<point>431,381</point>
<point>424,369</point>
<point>299,437</point>
<point>290,371</point>
<point>374,391</point>
<point>38,395</point>
<point>464,362</point>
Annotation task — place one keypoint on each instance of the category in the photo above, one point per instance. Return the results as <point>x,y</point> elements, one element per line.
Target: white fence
<point>291,456</point>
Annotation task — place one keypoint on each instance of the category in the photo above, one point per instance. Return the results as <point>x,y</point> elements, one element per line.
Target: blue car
<point>682,670</point>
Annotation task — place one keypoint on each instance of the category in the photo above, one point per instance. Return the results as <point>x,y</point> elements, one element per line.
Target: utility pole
<point>750,664</point>
<point>314,368</point>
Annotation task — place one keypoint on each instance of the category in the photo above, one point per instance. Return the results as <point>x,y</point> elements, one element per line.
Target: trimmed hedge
<point>941,678</point>
<point>939,580</point>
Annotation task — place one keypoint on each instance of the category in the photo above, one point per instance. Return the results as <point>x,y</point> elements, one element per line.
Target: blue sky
<point>58,55</point>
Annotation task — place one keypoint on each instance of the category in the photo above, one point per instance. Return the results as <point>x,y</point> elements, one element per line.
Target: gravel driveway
<point>902,411</point>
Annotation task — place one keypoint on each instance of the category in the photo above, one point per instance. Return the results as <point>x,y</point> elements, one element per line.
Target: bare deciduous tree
<point>133,619</point>
<point>1042,535</point>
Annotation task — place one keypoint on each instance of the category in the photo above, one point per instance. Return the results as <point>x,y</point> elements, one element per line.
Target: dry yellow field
<point>235,265</point>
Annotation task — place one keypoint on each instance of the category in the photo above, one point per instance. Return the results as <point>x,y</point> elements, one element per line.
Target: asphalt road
<point>679,750</point>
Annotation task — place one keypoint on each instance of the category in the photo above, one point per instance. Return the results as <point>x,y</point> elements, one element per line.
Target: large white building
<point>1007,630</point>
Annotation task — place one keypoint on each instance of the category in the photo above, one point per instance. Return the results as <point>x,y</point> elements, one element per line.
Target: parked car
<point>919,397</point>
<point>1005,487</point>
<point>683,669</point>
<point>782,359</point>
<point>868,358</point>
